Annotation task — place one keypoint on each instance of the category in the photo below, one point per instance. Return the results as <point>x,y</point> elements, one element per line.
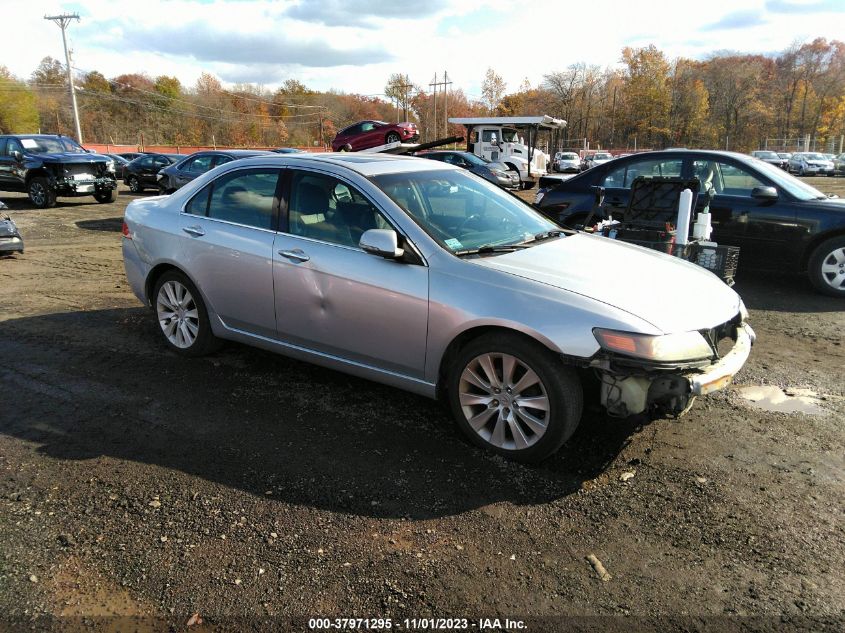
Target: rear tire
<point>182,316</point>
<point>527,408</point>
<point>41,194</point>
<point>826,267</point>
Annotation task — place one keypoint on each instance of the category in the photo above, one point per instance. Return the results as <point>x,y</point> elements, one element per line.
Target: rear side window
<point>199,165</point>
<point>244,197</point>
<point>622,177</point>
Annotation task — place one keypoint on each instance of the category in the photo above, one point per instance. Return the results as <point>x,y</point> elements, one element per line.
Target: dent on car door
<point>229,229</point>
<point>765,230</point>
<point>334,298</point>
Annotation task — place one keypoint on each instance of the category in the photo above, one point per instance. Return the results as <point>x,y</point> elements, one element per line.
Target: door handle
<point>196,231</point>
<point>296,255</point>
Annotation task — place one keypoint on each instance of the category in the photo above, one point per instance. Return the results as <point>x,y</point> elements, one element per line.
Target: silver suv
<point>426,277</point>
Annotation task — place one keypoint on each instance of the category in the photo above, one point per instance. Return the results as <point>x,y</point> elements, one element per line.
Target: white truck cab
<point>503,139</point>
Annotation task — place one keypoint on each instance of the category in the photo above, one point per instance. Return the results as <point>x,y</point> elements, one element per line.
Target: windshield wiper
<point>491,248</point>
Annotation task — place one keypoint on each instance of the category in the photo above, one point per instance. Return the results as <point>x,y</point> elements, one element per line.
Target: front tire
<point>135,185</point>
<point>104,197</point>
<point>393,137</point>
<point>826,267</point>
<point>41,194</point>
<point>514,397</point>
<point>182,316</point>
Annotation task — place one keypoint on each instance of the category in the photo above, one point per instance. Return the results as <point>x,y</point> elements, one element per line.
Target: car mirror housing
<point>764,193</point>
<point>17,155</point>
<point>381,242</point>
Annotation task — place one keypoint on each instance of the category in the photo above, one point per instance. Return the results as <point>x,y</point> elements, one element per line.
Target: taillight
<point>125,231</point>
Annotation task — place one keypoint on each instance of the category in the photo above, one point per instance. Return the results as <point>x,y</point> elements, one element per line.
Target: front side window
<point>146,162</point>
<point>244,197</point>
<point>324,208</point>
<point>462,211</point>
<point>623,177</point>
<point>725,178</point>
<point>199,165</point>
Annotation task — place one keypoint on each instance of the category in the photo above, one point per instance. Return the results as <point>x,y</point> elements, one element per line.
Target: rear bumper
<point>136,270</point>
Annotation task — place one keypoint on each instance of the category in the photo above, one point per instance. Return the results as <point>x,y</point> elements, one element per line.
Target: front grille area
<point>94,169</point>
<point>722,337</point>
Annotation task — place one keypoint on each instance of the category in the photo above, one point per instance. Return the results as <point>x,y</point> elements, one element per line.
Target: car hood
<point>69,158</point>
<point>671,294</point>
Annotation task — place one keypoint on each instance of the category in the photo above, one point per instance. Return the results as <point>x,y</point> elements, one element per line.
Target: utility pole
<point>63,20</point>
<point>435,84</point>
<point>446,84</point>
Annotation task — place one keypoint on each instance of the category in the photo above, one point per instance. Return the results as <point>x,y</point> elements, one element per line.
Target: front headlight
<point>498,172</point>
<point>683,346</point>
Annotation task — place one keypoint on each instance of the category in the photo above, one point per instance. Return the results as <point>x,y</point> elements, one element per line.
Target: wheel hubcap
<point>177,314</point>
<point>833,269</point>
<point>504,401</point>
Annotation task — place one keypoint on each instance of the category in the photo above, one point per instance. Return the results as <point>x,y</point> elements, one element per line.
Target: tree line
<point>727,100</point>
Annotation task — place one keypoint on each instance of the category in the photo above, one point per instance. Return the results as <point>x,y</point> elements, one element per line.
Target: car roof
<point>232,152</point>
<point>365,164</point>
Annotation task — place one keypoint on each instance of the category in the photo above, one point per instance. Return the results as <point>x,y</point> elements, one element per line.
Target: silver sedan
<point>426,277</point>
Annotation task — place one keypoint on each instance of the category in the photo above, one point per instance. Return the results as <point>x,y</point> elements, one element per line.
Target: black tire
<point>558,383</point>
<point>392,137</point>
<point>528,184</point>
<point>204,342</point>
<point>830,253</point>
<point>41,194</point>
<point>135,185</point>
<point>104,197</point>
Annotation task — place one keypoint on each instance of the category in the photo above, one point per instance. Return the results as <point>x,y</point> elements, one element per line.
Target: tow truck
<point>502,139</point>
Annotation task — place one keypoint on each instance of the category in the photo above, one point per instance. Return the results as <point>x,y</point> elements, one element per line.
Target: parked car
<point>130,156</point>
<point>786,156</point>
<point>10,238</point>
<point>599,158</point>
<point>567,162</point>
<point>367,134</point>
<point>770,157</point>
<point>839,165</point>
<point>810,164</point>
<point>287,150</point>
<point>179,174</point>
<point>142,173</point>
<point>120,164</point>
<point>779,222</point>
<point>497,173</point>
<point>46,166</point>
<point>419,275</point>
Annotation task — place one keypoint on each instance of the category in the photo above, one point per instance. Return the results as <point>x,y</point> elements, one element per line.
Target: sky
<point>354,45</point>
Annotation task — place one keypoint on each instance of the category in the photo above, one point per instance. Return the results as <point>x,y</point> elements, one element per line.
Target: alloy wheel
<point>504,401</point>
<point>833,269</point>
<point>177,314</point>
<point>38,193</point>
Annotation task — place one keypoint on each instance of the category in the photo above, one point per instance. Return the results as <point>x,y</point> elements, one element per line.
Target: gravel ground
<point>138,488</point>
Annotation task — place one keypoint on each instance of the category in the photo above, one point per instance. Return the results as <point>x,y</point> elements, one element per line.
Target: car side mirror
<point>764,193</point>
<point>17,155</point>
<point>381,242</point>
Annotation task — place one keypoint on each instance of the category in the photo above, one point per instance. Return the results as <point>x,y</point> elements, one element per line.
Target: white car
<point>566,162</point>
<point>598,158</point>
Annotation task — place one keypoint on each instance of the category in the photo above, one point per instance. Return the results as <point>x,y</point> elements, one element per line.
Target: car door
<point>336,299</point>
<point>765,230</point>
<point>229,229</point>
<point>371,136</point>
<point>6,162</point>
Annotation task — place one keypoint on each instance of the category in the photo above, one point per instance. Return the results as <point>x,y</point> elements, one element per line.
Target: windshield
<point>602,156</point>
<point>462,211</point>
<point>797,188</point>
<point>766,155</point>
<point>812,156</point>
<point>509,135</point>
<point>40,145</point>
<point>570,156</point>
<point>475,160</point>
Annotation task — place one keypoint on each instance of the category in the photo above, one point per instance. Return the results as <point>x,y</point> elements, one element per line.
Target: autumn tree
<point>647,96</point>
<point>18,109</point>
<point>492,90</point>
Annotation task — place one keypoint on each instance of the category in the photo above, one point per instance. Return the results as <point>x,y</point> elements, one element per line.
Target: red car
<point>366,134</point>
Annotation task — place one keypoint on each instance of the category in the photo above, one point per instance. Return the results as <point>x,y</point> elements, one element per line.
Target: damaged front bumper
<point>10,238</point>
<point>631,389</point>
<point>72,187</point>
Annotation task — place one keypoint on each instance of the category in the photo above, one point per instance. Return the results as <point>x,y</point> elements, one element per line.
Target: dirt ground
<point>138,488</point>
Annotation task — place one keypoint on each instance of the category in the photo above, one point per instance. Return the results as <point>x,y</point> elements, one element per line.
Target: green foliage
<point>18,111</point>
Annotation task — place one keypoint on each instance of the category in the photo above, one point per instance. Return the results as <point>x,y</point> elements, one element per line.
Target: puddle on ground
<point>773,398</point>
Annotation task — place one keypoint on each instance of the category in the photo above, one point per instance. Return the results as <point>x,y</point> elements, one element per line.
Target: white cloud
<point>356,45</point>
